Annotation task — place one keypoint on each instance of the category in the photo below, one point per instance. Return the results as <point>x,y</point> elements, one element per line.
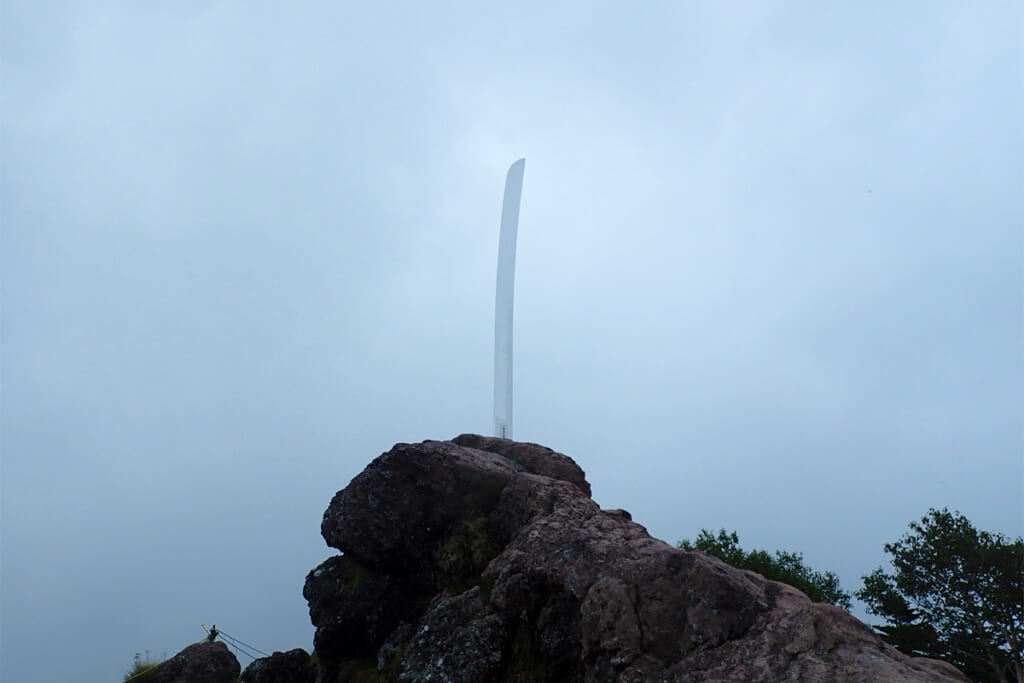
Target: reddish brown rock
<point>534,458</point>
<point>483,559</point>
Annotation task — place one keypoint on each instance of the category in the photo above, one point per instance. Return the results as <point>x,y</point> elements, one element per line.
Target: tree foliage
<point>783,566</point>
<point>956,593</point>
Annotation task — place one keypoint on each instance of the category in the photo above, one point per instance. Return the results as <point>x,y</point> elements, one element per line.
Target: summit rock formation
<point>198,663</point>
<point>481,559</point>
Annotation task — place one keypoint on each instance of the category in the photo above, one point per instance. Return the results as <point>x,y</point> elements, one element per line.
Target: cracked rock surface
<point>483,559</point>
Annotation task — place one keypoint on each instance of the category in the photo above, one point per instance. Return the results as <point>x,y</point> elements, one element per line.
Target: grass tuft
<point>143,669</point>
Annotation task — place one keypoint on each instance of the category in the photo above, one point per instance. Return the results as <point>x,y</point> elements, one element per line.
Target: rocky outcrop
<point>293,666</point>
<point>199,663</point>
<point>481,559</point>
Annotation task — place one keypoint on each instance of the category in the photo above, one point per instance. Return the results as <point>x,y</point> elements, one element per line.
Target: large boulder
<point>481,559</point>
<point>293,666</point>
<point>199,663</point>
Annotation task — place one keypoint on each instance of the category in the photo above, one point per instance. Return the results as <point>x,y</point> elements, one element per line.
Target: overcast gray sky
<point>769,279</point>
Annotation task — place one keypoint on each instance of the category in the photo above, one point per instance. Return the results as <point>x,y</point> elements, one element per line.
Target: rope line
<point>238,652</point>
<point>244,644</point>
<point>144,671</point>
<point>239,644</point>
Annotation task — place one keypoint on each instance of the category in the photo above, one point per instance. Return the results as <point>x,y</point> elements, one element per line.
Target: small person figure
<point>212,634</point>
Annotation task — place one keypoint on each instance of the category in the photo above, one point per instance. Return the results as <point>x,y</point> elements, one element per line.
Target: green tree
<point>956,594</point>
<point>783,566</point>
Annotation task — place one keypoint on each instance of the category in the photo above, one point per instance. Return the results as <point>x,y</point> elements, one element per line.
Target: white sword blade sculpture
<point>503,301</point>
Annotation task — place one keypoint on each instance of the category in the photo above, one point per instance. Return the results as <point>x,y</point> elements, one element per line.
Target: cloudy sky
<point>769,279</point>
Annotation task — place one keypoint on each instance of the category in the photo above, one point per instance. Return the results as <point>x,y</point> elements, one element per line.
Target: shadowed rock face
<point>293,666</point>
<point>481,559</point>
<point>199,663</point>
